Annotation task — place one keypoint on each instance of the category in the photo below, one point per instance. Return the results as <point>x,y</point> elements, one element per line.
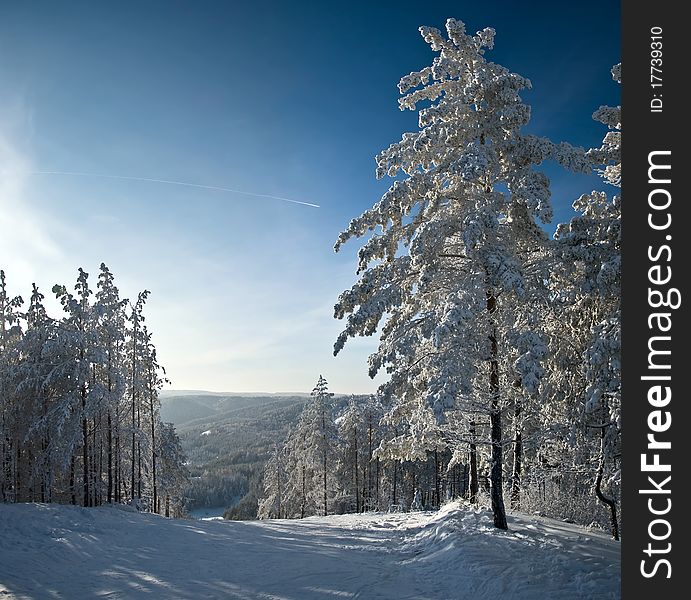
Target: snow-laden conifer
<point>451,243</point>
<point>311,453</point>
<point>589,283</point>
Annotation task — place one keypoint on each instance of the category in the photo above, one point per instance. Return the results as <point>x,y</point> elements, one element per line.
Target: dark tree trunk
<point>357,481</point>
<point>110,459</point>
<point>324,455</point>
<point>153,448</point>
<point>304,493</point>
<point>139,455</point>
<point>437,492</point>
<point>118,457</point>
<point>377,484</point>
<point>474,483</point>
<point>369,463</point>
<point>607,501</point>
<point>394,481</point>
<point>109,440</point>
<point>324,468</point>
<point>517,459</point>
<point>85,450</point>
<point>73,492</point>
<point>134,405</point>
<point>497,496</point>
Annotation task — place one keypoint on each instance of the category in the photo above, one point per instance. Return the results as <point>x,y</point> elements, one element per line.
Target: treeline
<point>79,406</point>
<point>338,459</point>
<point>502,346</point>
<point>366,454</point>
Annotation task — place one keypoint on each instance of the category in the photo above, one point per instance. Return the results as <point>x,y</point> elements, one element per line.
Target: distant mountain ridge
<point>192,410</point>
<point>168,393</point>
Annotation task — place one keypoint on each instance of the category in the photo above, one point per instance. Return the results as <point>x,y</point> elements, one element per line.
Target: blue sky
<point>285,99</point>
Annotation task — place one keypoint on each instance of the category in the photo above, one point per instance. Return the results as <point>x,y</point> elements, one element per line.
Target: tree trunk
<point>134,404</point>
<point>324,468</point>
<point>474,484</point>
<point>110,459</point>
<point>304,493</point>
<point>357,482</point>
<point>497,496</point>
<point>278,481</point>
<point>517,459</point>
<point>139,455</point>
<point>153,447</point>
<point>376,489</point>
<point>118,457</point>
<point>607,501</point>
<point>394,481</point>
<point>109,424</point>
<point>369,463</point>
<point>85,450</point>
<point>73,492</point>
<point>324,454</point>
<point>437,493</point>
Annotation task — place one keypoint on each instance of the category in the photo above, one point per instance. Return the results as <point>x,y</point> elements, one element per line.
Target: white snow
<point>50,551</point>
<point>207,432</point>
<point>208,512</point>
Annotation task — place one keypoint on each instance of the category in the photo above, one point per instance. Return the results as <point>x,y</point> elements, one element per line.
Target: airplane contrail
<point>169,182</point>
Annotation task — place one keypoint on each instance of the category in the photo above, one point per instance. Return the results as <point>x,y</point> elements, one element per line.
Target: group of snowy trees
<point>336,460</point>
<point>495,337</point>
<point>79,407</point>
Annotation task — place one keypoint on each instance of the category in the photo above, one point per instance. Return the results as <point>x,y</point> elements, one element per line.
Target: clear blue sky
<point>278,98</point>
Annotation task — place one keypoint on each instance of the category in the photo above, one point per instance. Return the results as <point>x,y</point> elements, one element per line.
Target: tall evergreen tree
<point>446,264</point>
<point>111,327</point>
<point>10,336</point>
<point>311,450</point>
<point>589,281</point>
<point>272,505</point>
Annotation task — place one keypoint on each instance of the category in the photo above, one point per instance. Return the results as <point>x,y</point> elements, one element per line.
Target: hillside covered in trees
<point>227,440</point>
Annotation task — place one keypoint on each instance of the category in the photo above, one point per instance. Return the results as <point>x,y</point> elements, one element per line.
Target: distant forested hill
<point>227,439</point>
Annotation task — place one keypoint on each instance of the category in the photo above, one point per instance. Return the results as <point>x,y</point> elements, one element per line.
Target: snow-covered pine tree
<point>154,379</point>
<point>350,429</point>
<point>360,467</point>
<point>452,240</point>
<point>136,353</point>
<point>590,250</point>
<point>36,399</point>
<point>77,350</point>
<point>173,475</point>
<point>324,437</point>
<point>110,310</point>
<point>10,337</point>
<point>311,453</point>
<point>298,500</point>
<point>272,505</point>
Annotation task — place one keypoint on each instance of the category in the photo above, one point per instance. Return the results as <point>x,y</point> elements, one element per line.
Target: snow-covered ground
<point>49,551</point>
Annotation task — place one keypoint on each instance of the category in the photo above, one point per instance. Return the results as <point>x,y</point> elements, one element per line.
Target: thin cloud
<point>169,182</point>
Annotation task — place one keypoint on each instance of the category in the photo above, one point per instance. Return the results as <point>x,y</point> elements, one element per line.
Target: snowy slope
<point>49,551</point>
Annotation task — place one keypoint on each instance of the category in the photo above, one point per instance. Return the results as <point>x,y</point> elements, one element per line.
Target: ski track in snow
<point>65,552</point>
